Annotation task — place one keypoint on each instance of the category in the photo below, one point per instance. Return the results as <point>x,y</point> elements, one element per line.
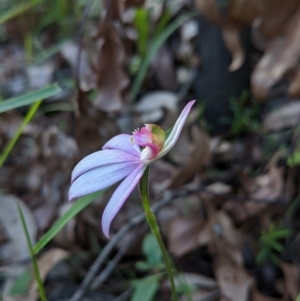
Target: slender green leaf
<point>279,234</point>
<point>163,22</point>
<point>33,258</point>
<point>17,10</point>
<point>78,206</point>
<point>142,26</point>
<point>14,139</point>
<point>29,98</point>
<point>154,47</point>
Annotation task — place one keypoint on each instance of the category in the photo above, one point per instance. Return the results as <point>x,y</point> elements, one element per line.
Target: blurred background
<point>73,74</point>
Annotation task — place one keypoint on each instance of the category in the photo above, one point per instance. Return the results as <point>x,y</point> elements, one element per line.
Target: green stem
<point>143,185</point>
<point>33,257</point>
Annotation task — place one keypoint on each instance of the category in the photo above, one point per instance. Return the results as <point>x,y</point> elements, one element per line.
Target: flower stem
<point>143,185</point>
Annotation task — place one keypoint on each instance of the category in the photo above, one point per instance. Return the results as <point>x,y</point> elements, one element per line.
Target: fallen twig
<point>112,264</point>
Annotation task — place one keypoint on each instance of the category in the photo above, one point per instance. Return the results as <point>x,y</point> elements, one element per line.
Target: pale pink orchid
<point>123,157</point>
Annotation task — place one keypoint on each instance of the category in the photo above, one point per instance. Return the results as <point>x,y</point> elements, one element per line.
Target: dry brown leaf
<point>220,234</point>
<point>182,234</point>
<point>291,279</point>
<point>236,211</point>
<point>265,75</point>
<point>110,78</point>
<point>231,37</point>
<point>224,229</point>
<point>248,183</point>
<point>15,249</point>
<point>9,124</point>
<point>234,12</point>
<point>200,281</point>
<point>284,117</point>
<point>86,77</point>
<point>294,88</point>
<point>270,185</point>
<point>245,11</point>
<point>233,280</point>
<point>181,206</point>
<point>160,176</point>
<point>276,16</point>
<point>232,17</point>
<point>197,158</point>
<point>152,105</point>
<point>267,187</point>
<point>272,18</point>
<point>281,56</point>
<point>210,10</point>
<point>163,68</point>
<point>180,153</point>
<point>254,208</point>
<point>224,238</point>
<point>94,128</point>
<point>45,263</point>
<point>115,8</point>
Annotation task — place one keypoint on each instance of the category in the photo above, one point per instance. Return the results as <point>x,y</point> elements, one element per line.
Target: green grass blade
<point>33,258</point>
<point>14,139</point>
<point>155,45</point>
<point>78,206</point>
<point>29,98</point>
<point>17,10</point>
<point>142,26</point>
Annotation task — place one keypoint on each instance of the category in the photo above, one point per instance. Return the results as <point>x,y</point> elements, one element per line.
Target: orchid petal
<point>101,158</point>
<point>174,135</point>
<point>100,178</point>
<point>119,197</point>
<point>123,142</point>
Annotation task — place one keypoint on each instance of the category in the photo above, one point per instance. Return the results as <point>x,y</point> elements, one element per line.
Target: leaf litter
<point>231,187</point>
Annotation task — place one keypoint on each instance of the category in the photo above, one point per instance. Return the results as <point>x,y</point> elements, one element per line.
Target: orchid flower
<point>123,157</point>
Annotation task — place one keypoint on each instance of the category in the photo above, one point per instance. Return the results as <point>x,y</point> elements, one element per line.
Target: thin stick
<point>112,264</point>
<point>35,265</point>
